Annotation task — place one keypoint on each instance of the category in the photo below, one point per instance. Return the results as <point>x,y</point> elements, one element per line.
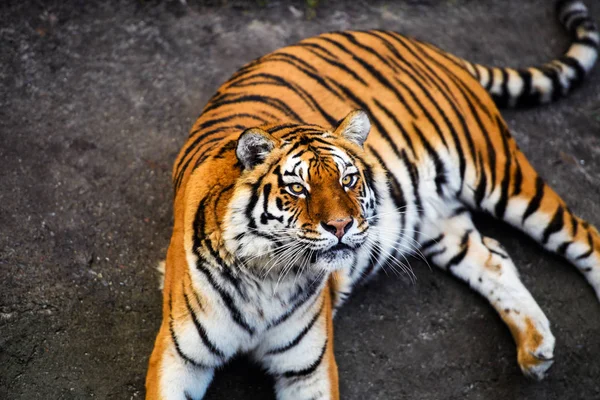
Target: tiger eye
<point>350,180</point>
<point>296,188</point>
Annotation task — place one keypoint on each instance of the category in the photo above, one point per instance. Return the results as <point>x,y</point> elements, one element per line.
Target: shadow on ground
<point>95,101</point>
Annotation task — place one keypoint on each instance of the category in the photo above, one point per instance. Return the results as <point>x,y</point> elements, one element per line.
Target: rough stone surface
<point>95,100</point>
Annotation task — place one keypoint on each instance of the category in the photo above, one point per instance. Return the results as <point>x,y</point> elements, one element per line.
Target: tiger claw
<point>542,357</point>
<point>538,371</point>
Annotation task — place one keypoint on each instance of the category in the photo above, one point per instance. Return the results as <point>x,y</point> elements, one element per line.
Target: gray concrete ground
<point>95,101</point>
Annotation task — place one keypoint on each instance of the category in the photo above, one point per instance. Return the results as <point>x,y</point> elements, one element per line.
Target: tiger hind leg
<point>529,204</point>
<point>455,245</point>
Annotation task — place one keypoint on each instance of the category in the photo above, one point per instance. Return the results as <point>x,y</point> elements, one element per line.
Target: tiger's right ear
<point>354,127</point>
<point>253,146</point>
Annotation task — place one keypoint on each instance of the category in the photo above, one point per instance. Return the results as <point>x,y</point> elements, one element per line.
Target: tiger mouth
<point>338,247</point>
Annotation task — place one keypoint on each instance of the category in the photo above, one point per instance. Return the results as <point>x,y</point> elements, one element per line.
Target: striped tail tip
<point>551,81</point>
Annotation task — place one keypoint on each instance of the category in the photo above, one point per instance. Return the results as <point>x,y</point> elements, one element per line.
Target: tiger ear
<point>253,146</point>
<point>354,127</point>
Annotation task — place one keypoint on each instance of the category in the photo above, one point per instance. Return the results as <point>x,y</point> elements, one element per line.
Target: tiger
<point>315,166</point>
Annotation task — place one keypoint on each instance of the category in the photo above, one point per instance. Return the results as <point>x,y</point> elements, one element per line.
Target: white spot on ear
<point>253,146</point>
<point>355,127</point>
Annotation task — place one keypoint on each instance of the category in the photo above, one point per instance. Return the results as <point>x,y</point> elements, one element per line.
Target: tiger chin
<point>282,208</point>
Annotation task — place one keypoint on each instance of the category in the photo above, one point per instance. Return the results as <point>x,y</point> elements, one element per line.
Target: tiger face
<point>305,198</point>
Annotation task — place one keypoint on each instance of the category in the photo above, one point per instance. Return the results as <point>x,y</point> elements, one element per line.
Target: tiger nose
<point>338,226</point>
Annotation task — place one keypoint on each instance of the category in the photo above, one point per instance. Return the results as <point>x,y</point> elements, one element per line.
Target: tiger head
<point>305,198</point>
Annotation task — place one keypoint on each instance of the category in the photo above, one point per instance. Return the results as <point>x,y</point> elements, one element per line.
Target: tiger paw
<point>535,349</point>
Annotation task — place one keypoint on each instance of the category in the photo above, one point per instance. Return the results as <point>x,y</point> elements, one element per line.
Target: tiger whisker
<point>290,265</point>
<point>405,268</point>
<point>412,248</point>
<point>273,251</point>
<point>281,256</point>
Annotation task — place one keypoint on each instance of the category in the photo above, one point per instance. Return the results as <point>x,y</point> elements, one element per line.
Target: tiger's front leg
<point>455,245</point>
<point>299,354</point>
<point>173,375</point>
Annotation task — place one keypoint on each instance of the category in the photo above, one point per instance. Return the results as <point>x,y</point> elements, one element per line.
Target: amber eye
<point>296,189</point>
<point>350,180</point>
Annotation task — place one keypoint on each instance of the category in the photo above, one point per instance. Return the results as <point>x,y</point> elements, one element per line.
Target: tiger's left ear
<point>253,146</point>
<point>354,127</point>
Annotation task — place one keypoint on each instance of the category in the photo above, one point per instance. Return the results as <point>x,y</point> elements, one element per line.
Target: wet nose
<point>338,226</point>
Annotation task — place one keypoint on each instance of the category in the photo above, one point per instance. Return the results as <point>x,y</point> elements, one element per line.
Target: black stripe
<point>397,193</point>
<point>476,74</point>
<point>299,337</point>
<point>290,59</point>
<point>300,129</point>
<point>417,231</point>
<point>555,225</point>
<point>500,208</point>
<point>518,178</point>
<point>278,128</point>
<point>482,183</point>
<point>432,242</point>
<point>254,200</point>
<point>277,81</point>
<point>578,21</point>
<point>574,223</point>
<point>502,98</point>
<point>437,253</point>
<point>576,65</point>
<point>308,370</point>
<point>314,75</point>
<point>562,249</point>
<point>253,98</point>
<point>552,74</point>
<point>303,299</point>
<point>586,41</point>
<point>440,169</point>
<point>564,18</point>
<point>590,251</point>
<point>459,211</point>
<point>490,81</point>
<point>215,121</point>
<point>178,347</point>
<point>526,97</point>
<point>414,179</point>
<point>464,248</point>
<point>535,202</point>
<point>496,252</point>
<point>398,125</point>
<point>202,330</point>
<point>457,258</point>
